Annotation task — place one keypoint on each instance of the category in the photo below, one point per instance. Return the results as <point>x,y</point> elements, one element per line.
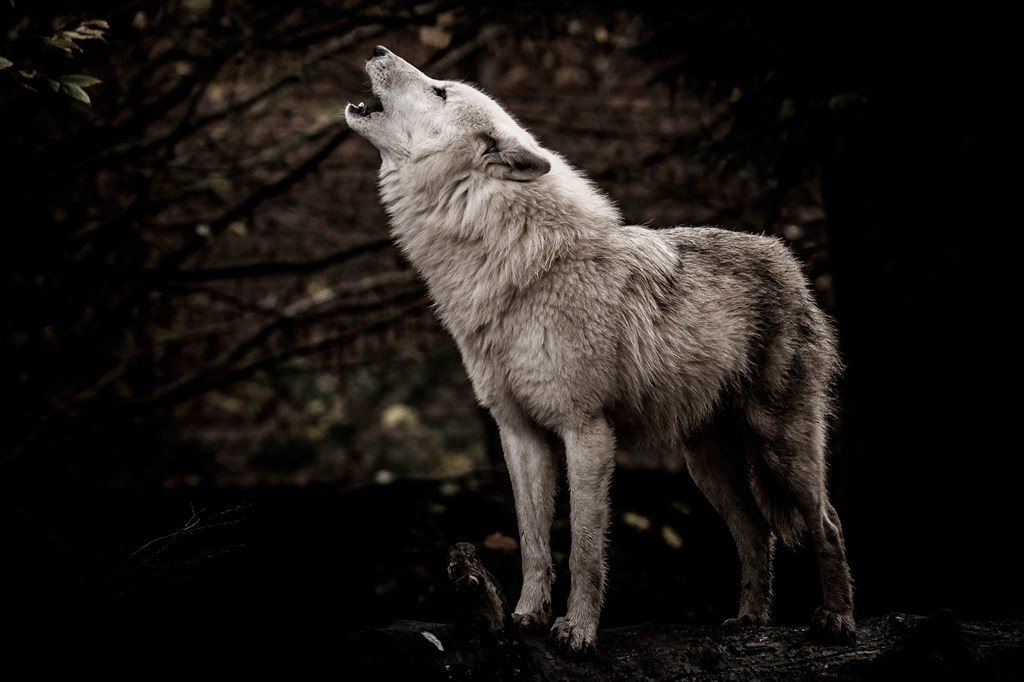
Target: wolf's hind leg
<point>717,464</point>
<point>795,456</point>
<point>531,467</point>
<point>833,621</point>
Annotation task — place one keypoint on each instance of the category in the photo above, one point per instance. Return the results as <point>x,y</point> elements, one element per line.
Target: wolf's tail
<point>776,502</point>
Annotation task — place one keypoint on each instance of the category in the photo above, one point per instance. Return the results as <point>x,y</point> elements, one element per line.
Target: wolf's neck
<point>478,242</point>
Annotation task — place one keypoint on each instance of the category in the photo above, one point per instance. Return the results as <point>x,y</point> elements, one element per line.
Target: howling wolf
<point>573,326</point>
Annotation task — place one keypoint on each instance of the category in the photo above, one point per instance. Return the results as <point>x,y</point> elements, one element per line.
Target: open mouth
<point>362,109</point>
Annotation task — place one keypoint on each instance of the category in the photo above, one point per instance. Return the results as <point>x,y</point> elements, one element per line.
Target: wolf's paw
<point>747,620</point>
<point>573,641</point>
<point>829,627</point>
<point>533,623</point>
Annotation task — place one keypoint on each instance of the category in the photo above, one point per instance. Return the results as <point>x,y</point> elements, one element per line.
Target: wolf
<point>582,335</point>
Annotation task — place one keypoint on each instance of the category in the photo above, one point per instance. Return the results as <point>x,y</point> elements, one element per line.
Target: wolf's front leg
<point>531,467</point>
<point>590,459</point>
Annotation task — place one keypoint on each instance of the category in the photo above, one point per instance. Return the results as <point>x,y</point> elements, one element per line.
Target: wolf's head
<point>419,119</point>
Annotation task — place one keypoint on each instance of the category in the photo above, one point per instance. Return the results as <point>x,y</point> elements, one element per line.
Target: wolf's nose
<point>380,51</point>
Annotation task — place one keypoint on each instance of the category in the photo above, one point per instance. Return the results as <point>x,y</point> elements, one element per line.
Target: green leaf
<point>97,23</point>
<point>80,79</point>
<point>75,92</point>
<point>54,85</point>
<point>849,99</point>
<point>61,44</point>
<point>82,33</point>
<point>5,63</point>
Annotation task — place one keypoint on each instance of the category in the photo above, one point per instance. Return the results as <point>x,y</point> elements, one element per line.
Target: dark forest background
<point>231,424</point>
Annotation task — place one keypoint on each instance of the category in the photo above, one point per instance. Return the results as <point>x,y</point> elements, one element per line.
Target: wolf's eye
<point>441,92</point>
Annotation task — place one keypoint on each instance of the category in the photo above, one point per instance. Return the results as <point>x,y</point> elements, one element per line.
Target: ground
<point>281,578</point>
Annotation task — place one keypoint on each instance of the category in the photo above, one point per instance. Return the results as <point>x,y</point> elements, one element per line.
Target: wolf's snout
<point>380,51</point>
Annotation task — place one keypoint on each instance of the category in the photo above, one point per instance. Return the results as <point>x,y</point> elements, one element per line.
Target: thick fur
<point>704,341</point>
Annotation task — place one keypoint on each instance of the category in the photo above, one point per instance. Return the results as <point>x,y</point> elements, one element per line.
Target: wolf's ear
<point>507,159</point>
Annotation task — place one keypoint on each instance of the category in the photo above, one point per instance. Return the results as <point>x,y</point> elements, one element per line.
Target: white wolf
<point>576,326</point>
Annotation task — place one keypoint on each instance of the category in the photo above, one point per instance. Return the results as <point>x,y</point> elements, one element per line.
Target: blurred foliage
<point>410,416</point>
<point>807,85</point>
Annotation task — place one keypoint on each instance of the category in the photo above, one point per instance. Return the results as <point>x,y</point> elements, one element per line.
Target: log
<point>483,644</point>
